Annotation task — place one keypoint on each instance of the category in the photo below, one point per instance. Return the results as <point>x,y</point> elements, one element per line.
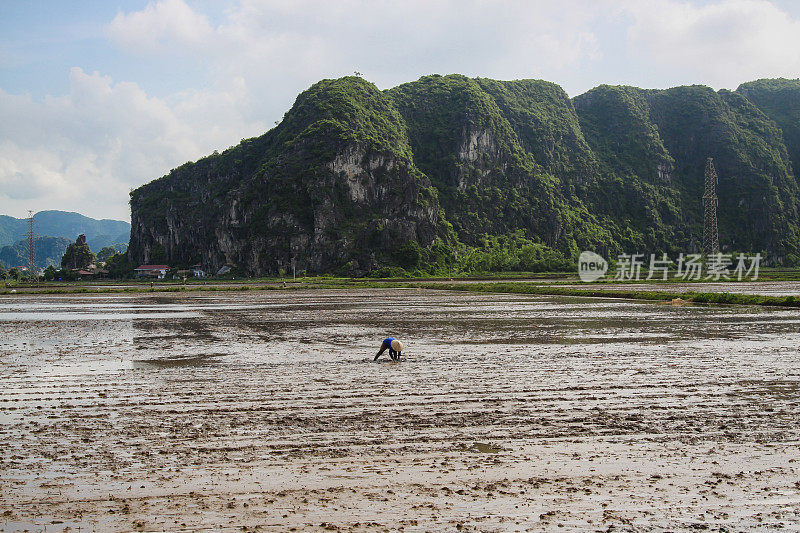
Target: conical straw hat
<point>397,346</point>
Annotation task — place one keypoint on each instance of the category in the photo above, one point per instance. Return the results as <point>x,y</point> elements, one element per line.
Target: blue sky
<point>99,97</point>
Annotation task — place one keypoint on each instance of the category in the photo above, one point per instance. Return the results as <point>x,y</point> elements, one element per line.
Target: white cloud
<point>85,150</point>
<point>721,44</point>
<point>27,174</point>
<point>266,41</point>
<point>160,25</point>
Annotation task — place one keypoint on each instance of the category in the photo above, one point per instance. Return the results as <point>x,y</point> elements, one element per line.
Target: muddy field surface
<point>265,412</point>
<point>764,288</point>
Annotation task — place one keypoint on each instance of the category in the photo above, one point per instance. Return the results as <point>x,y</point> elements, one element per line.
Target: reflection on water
<point>66,316</point>
<point>176,361</point>
<point>93,332</point>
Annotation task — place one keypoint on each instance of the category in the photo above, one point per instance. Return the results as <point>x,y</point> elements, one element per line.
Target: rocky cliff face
<point>779,99</point>
<point>504,156</point>
<point>355,178</point>
<point>332,187</point>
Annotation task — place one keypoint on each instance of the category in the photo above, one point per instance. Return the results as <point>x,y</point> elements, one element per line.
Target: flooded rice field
<point>763,288</point>
<point>263,411</point>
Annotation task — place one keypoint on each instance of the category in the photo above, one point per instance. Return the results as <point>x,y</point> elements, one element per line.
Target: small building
<point>151,271</point>
<point>198,271</point>
<point>93,271</point>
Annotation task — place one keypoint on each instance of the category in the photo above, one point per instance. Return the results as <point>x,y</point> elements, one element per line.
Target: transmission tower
<point>30,252</point>
<point>710,231</point>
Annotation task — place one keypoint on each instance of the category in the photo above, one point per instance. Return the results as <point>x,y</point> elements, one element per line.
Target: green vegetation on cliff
<point>504,156</point>
<point>478,174</point>
<point>332,187</point>
<point>652,145</point>
<point>758,195</point>
<point>77,255</point>
<point>779,99</point>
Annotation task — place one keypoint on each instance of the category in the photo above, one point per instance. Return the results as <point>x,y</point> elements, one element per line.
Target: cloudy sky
<point>100,96</point>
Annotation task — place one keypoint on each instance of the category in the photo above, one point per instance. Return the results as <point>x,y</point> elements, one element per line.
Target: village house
<point>198,271</point>
<point>151,271</point>
<point>93,271</point>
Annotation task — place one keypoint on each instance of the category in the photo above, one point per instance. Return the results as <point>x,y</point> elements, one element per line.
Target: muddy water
<point>264,411</point>
<point>764,288</point>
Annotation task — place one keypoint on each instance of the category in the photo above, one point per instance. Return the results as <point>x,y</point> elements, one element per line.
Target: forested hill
<point>49,251</point>
<point>489,174</point>
<point>66,224</point>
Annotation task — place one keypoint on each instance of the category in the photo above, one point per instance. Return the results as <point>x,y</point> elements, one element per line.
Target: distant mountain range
<point>99,233</point>
<point>49,251</point>
<point>54,230</point>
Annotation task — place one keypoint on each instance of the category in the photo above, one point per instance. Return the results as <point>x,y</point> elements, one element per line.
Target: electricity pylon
<point>710,231</point>
<point>30,252</point>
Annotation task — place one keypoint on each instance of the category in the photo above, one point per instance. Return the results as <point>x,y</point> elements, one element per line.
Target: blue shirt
<point>388,342</point>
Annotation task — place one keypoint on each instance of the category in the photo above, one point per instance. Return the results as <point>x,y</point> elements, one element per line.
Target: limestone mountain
<point>333,184</point>
<point>503,156</point>
<point>652,144</point>
<point>66,224</point>
<point>354,178</point>
<point>49,251</point>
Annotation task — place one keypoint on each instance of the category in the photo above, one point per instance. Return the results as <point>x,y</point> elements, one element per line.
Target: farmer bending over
<point>393,345</point>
